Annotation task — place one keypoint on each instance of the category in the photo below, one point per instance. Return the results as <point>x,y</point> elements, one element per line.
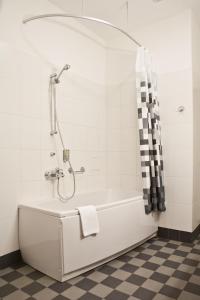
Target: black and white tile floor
<point>159,269</point>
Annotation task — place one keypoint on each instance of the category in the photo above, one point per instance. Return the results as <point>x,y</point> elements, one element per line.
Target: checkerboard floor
<point>159,269</point>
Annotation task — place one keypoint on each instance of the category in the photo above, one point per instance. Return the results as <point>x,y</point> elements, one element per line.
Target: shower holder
<point>81,171</point>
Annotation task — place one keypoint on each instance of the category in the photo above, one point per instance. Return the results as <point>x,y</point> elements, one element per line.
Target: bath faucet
<point>54,174</point>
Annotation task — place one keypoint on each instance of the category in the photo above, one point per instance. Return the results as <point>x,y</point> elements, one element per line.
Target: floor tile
<point>151,266</point>
<point>2,282</point>
<point>180,253</point>
<point>74,293</point>
<point>45,294</point>
<point>187,296</point>
<point>101,290</point>
<point>170,291</point>
<point>171,246</point>
<point>136,279</point>
<point>162,254</point>
<point>181,275</point>
<point>33,288</point>
<point>171,264</point>
<point>176,258</point>
<point>5,271</point>
<point>159,269</point>
<point>129,268</point>
<point>107,269</point>
<point>195,279</point>
<point>35,275</point>
<point>176,282</point>
<point>197,272</point>
<point>162,278</point>
<point>157,260</point>
<point>152,285</point>
<point>121,274</point>
<point>17,295</point>
<point>193,288</point>
<point>21,282</point>
<point>190,262</point>
<point>11,276</point>
<point>146,273</point>
<point>25,270</point>
<point>111,282</point>
<point>60,297</point>
<point>186,268</point>
<point>60,287</point>
<point>127,288</point>
<point>46,281</point>
<point>6,290</point>
<point>86,284</point>
<point>89,296</point>
<point>165,270</point>
<point>144,294</point>
<point>163,297</point>
<point>116,295</point>
<point>97,276</point>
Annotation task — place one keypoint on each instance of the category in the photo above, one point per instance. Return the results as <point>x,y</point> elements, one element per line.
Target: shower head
<point>57,77</point>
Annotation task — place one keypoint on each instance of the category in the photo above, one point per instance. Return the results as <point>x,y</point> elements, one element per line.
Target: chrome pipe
<point>42,16</point>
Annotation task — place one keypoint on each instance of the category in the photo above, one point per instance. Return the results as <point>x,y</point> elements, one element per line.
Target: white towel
<point>89,220</point>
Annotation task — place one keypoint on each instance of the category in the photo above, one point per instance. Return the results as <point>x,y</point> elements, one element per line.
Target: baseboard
<point>179,235</point>
<point>10,259</point>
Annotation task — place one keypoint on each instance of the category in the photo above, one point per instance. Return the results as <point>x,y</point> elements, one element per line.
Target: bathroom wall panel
<point>27,60</point>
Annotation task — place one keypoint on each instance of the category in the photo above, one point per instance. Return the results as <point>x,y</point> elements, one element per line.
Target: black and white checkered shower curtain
<point>150,134</point>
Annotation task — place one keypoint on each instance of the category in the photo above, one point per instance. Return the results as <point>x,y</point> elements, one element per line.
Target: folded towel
<point>89,220</point>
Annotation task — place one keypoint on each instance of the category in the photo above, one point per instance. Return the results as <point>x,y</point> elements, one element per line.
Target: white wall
<point>170,44</point>
<point>96,108</point>
<point>29,54</point>
<point>196,121</point>
<point>123,162</point>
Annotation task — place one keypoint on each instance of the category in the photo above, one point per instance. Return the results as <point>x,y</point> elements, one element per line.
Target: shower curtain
<point>149,134</point>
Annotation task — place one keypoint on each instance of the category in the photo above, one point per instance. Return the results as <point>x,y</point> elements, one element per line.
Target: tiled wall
<point>196,121</point>
<point>25,141</point>
<point>122,133</point>
<point>96,109</point>
<point>24,113</point>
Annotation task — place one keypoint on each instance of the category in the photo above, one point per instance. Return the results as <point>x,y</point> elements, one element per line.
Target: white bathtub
<point>50,234</point>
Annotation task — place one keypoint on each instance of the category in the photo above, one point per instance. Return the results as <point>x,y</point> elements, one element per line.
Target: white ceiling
<point>141,13</point>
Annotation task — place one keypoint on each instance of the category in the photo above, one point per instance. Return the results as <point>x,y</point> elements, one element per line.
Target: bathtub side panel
<point>40,241</point>
<point>121,227</point>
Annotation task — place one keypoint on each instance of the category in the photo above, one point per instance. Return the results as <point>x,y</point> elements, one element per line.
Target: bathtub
<point>50,232</point>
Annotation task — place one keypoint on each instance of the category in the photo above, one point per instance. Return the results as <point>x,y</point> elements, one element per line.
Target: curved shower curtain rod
<point>82,18</point>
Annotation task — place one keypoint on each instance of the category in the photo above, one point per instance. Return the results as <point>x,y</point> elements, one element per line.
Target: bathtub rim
<point>75,212</point>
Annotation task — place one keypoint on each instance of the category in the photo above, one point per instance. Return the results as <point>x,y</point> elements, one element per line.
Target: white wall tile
<point>9,131</point>
<point>30,133</point>
<point>177,216</point>
<point>178,190</point>
<point>9,234</point>
<point>30,161</point>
